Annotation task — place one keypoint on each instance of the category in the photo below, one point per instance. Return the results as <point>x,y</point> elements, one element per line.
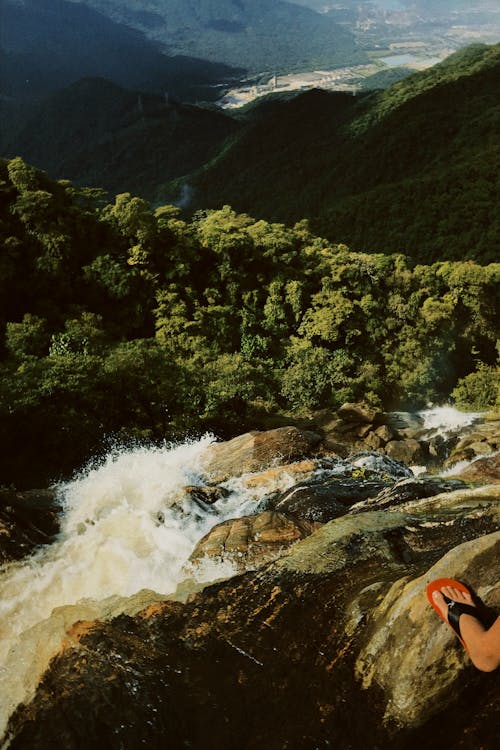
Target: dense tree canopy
<point>119,320</point>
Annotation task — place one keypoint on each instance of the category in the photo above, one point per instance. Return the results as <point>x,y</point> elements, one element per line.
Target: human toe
<point>439,600</point>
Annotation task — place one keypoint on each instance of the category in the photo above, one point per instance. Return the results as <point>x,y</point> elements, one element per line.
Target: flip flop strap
<point>455,609</point>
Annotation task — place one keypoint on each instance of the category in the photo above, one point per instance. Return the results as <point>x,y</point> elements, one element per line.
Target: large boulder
<point>358,413</point>
<point>331,645</point>
<point>409,653</point>
<point>409,451</point>
<point>483,470</point>
<point>284,476</point>
<point>256,451</point>
<point>249,542</point>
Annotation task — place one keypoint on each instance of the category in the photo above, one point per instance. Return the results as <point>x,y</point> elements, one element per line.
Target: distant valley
<point>377,171</point>
<point>258,35</point>
<point>411,169</point>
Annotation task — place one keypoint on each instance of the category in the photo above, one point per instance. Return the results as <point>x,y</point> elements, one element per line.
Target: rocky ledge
<point>324,639</point>
<point>27,519</point>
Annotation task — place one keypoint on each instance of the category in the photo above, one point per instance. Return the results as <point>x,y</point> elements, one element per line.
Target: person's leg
<point>483,645</point>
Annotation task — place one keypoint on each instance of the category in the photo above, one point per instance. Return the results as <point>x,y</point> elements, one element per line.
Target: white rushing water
<point>128,525</point>
<point>443,420</point>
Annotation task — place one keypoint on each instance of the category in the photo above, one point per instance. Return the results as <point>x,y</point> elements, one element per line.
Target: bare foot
<point>455,595</point>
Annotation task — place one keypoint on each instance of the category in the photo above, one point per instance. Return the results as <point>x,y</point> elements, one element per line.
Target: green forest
<point>412,169</point>
<point>123,322</point>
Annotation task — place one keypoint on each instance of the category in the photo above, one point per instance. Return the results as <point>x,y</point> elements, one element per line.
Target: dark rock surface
<point>323,501</point>
<point>27,520</point>
<point>205,495</point>
<point>333,645</point>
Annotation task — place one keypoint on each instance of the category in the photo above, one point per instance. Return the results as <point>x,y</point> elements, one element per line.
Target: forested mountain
<point>410,169</point>
<point>101,135</point>
<point>48,44</point>
<point>260,35</point>
<point>122,322</point>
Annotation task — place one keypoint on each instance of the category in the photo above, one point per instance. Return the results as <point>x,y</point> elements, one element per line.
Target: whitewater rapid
<point>128,525</point>
<point>445,420</point>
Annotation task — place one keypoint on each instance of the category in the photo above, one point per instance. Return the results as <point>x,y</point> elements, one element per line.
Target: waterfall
<point>127,531</point>
<point>445,420</point>
<point>128,525</point>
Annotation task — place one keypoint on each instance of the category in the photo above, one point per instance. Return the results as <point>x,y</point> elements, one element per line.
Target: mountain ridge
<point>260,35</point>
<point>99,134</point>
<point>316,154</point>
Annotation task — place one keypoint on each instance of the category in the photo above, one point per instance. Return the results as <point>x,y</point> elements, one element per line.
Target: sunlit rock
<point>484,470</point>
<point>358,413</point>
<point>251,541</point>
<point>410,653</point>
<point>273,477</point>
<point>256,451</point>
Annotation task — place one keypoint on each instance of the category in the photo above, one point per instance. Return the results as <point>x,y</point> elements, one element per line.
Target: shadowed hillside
<point>46,45</point>
<point>410,169</point>
<point>260,35</point>
<point>101,135</point>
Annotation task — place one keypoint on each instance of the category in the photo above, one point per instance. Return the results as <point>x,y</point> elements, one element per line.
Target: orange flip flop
<point>455,609</point>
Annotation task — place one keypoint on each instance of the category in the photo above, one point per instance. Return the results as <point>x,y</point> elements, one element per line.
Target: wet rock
<point>439,448</point>
<point>484,470</point>
<point>251,541</point>
<point>406,490</point>
<point>482,438</point>
<point>358,413</point>
<point>376,465</point>
<point>328,499</point>
<point>256,451</point>
<point>399,421</point>
<point>336,629</point>
<point>27,519</point>
<point>458,457</point>
<point>205,495</point>
<point>408,451</point>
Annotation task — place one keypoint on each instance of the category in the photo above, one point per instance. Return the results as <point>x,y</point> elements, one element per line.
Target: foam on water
<point>462,466</point>
<point>128,525</point>
<point>446,419</point>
